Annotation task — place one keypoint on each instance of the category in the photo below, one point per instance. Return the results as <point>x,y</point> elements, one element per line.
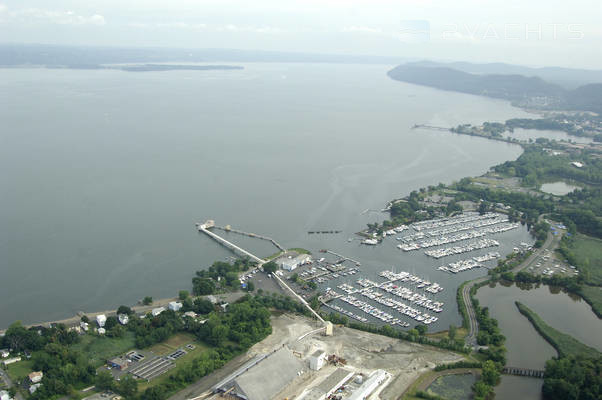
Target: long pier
<point>210,224</point>
<point>531,373</point>
<point>343,258</point>
<point>253,235</point>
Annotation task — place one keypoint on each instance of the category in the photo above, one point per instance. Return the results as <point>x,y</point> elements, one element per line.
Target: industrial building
<point>290,263</point>
<point>263,377</point>
<point>118,363</point>
<point>377,378</point>
<point>328,386</point>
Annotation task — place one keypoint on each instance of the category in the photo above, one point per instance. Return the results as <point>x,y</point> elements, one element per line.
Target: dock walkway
<point>343,258</point>
<point>253,235</point>
<point>210,224</point>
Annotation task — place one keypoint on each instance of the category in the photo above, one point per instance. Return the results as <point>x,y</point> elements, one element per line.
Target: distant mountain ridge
<point>521,90</point>
<point>569,78</point>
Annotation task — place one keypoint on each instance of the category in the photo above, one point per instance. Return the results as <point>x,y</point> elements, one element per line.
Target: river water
<point>526,348</point>
<point>104,173</point>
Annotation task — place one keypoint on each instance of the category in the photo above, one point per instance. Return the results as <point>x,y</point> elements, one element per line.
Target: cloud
<point>363,29</point>
<point>38,15</point>
<point>206,27</point>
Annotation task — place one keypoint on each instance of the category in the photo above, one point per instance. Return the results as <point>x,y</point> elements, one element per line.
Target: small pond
<point>559,188</point>
<point>453,387</point>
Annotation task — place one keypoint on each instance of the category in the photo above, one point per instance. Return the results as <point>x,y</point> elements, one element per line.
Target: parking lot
<point>549,262</point>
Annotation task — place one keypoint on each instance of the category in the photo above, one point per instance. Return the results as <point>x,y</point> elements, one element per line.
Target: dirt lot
<point>363,351</point>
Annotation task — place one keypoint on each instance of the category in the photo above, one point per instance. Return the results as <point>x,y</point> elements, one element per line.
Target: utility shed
<point>263,378</point>
<point>317,360</point>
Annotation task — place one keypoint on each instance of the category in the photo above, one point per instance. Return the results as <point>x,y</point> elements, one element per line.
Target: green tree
<point>422,329</point>
<point>452,332</point>
<point>153,393</point>
<point>490,374</point>
<point>125,310</point>
<point>270,267</point>
<point>183,295</point>
<point>250,286</point>
<point>147,300</point>
<point>104,380</point>
<point>482,390</point>
<point>203,286</point>
<point>128,386</point>
<point>85,319</point>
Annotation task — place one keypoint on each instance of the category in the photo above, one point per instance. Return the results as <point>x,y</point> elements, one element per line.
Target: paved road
<point>4,377</point>
<point>473,328</point>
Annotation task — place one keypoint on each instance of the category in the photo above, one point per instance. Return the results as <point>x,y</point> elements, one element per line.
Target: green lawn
<point>564,344</point>
<point>20,370</point>
<point>100,348</point>
<point>593,295</point>
<point>588,251</point>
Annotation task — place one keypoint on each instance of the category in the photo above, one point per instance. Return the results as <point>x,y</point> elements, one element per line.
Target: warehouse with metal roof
<point>263,377</point>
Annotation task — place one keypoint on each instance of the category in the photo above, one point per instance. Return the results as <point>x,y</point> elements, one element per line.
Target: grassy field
<point>564,344</point>
<point>588,252</point>
<point>593,295</point>
<point>19,370</point>
<point>173,343</point>
<point>100,348</point>
<point>460,334</point>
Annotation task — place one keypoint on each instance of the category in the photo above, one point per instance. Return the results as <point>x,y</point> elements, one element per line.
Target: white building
<point>377,378</point>
<point>175,306</point>
<point>157,311</point>
<point>84,325</point>
<point>123,319</point>
<point>289,264</point>
<point>9,361</point>
<point>577,164</point>
<point>101,331</point>
<point>303,259</point>
<point>100,320</point>
<point>317,360</point>
<point>4,353</point>
<point>4,395</point>
<point>190,314</point>
<point>33,388</point>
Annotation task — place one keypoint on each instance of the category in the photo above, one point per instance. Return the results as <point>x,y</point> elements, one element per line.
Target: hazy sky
<point>529,32</point>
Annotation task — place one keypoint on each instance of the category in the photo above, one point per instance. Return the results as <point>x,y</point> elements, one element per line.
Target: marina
<point>448,251</point>
<point>396,307</point>
<point>468,264</point>
<point>473,234</point>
